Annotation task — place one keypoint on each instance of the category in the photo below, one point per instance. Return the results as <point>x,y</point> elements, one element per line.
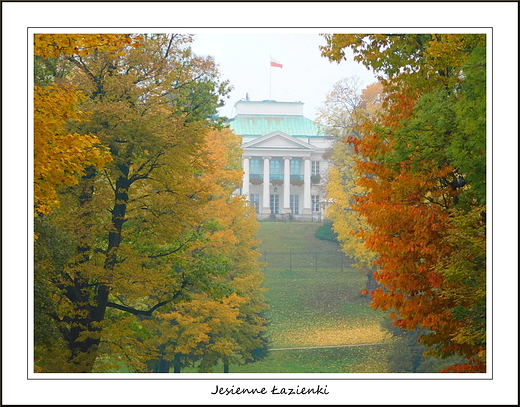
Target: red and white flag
<point>275,63</point>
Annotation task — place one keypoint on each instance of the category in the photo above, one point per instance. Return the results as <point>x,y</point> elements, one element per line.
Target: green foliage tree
<point>408,354</point>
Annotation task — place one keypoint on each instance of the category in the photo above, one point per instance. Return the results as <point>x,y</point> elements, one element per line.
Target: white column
<point>307,186</point>
<point>287,185</point>
<point>245,182</point>
<point>267,182</point>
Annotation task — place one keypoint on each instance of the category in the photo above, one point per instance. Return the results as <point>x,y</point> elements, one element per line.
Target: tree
<point>344,107</point>
<point>224,323</point>
<point>58,45</point>
<point>136,230</point>
<point>61,157</point>
<point>234,237</point>
<point>424,169</point>
<point>408,355</point>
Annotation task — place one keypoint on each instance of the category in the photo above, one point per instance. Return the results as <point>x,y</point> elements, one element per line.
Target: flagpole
<point>270,73</point>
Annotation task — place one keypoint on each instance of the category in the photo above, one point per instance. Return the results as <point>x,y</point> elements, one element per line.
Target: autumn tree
<point>224,324</point>
<point>61,157</point>
<point>233,237</point>
<point>423,167</point>
<point>342,111</point>
<point>134,232</point>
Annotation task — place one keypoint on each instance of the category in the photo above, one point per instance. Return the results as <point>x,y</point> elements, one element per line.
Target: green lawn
<point>295,236</point>
<point>309,308</point>
<point>364,359</point>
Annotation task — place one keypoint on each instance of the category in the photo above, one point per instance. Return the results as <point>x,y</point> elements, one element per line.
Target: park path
<point>334,346</point>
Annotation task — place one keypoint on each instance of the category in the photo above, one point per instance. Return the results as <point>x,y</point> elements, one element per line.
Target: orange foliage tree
<point>422,165</point>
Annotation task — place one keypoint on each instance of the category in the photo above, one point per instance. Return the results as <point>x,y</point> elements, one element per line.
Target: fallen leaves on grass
<point>330,336</point>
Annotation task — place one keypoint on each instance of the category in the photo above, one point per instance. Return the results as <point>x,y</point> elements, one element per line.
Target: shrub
<point>325,232</point>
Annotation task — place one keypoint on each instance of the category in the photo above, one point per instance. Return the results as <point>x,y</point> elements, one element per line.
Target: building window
<point>315,203</point>
<point>315,168</point>
<point>295,204</point>
<point>254,166</point>
<point>255,201</point>
<point>275,170</point>
<point>295,167</point>
<point>275,167</point>
<point>274,203</point>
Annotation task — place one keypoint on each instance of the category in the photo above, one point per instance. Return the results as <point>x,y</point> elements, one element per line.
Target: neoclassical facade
<point>284,169</point>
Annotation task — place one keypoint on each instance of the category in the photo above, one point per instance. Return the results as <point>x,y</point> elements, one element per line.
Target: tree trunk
<point>164,366</point>
<point>177,365</point>
<point>118,218</point>
<point>83,353</point>
<point>371,282</point>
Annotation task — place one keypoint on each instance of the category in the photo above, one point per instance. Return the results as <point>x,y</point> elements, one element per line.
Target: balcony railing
<point>297,180</point>
<point>256,179</point>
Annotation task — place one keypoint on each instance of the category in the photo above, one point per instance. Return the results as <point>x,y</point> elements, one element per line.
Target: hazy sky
<point>306,76</point>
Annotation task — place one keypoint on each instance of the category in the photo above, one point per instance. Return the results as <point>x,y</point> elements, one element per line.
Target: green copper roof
<point>260,125</point>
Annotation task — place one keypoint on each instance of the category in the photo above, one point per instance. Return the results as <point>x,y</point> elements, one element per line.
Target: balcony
<point>276,179</point>
<point>256,179</point>
<point>297,180</point>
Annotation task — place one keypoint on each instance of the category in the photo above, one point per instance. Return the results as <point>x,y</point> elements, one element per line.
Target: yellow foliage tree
<point>59,45</point>
<point>139,262</point>
<point>60,156</point>
<point>221,319</point>
<point>344,107</point>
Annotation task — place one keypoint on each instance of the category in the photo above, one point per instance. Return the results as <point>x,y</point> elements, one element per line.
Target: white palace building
<point>283,152</point>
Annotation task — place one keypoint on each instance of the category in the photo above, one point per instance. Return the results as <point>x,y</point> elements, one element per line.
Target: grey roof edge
<point>292,135</point>
<point>267,101</point>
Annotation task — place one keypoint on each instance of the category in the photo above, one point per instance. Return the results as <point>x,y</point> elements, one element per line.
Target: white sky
<point>306,76</point>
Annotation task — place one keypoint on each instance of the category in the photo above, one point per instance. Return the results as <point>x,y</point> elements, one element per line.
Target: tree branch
<point>136,311</point>
<point>153,164</point>
<point>151,310</point>
<point>168,253</point>
<point>109,180</point>
<point>169,45</point>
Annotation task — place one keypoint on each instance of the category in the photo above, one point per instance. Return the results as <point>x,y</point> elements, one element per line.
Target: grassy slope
<point>295,236</point>
<point>316,309</point>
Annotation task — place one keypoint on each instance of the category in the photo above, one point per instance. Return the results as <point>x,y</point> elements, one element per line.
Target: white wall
<point>268,107</point>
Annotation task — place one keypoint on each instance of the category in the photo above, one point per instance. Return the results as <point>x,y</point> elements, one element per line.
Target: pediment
<point>278,140</point>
